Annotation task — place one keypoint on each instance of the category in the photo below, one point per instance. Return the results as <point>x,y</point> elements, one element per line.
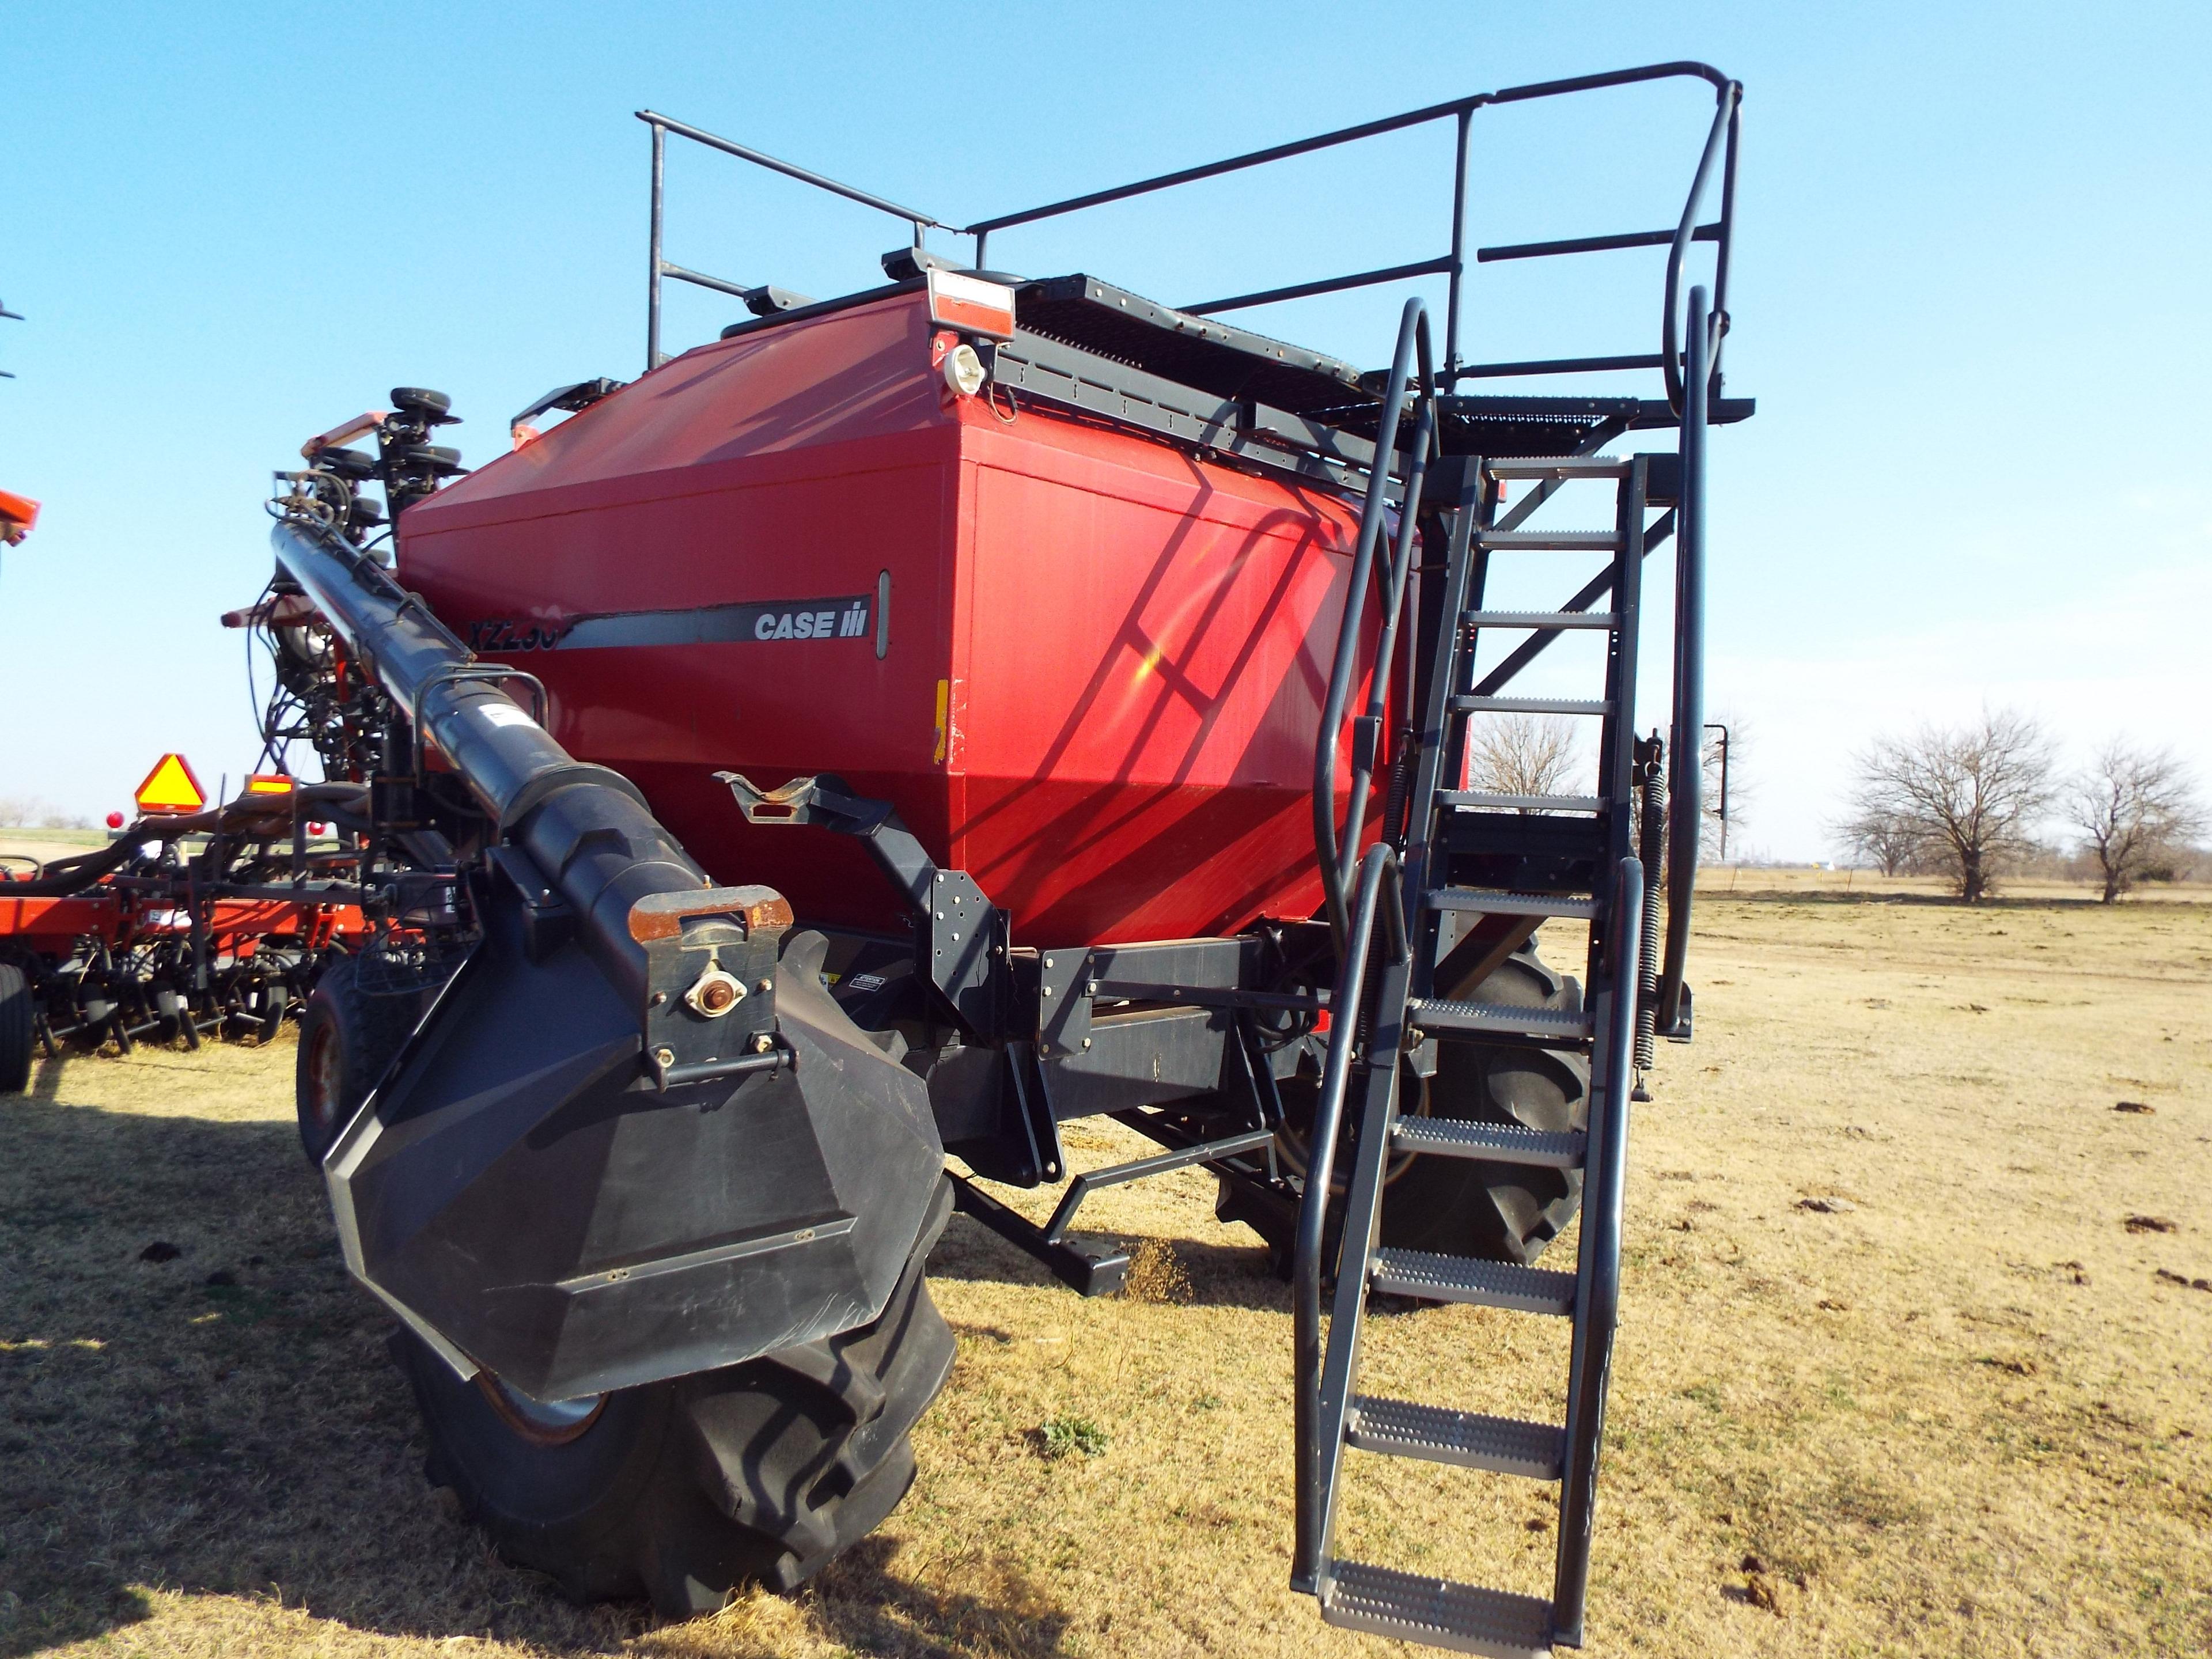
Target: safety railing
<point>1685,784</point>
<point>1318,1440</point>
<point>660,267</point>
<point>1337,858</point>
<point>1719,151</point>
<point>1597,1276</point>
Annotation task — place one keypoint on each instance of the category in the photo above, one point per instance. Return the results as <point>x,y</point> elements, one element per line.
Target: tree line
<point>1970,802</point>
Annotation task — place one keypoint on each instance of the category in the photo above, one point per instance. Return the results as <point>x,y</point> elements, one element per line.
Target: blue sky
<point>1970,294</point>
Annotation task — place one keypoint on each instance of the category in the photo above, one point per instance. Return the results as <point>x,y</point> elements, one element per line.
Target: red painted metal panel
<point>46,923</point>
<point>1105,659</point>
<point>1147,654</point>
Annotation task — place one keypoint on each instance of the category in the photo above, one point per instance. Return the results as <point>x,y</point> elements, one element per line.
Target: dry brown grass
<point>1961,1412</point>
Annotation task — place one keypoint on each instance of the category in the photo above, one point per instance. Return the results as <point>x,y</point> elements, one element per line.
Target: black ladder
<point>1461,878</point>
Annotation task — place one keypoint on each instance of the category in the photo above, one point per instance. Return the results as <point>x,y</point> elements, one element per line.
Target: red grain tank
<point>1086,665</point>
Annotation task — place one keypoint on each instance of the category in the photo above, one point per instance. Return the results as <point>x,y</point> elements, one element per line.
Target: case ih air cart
<point>919,718</point>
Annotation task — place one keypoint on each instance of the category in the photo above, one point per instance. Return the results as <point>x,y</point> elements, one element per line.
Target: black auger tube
<point>570,1175</point>
<point>586,827</point>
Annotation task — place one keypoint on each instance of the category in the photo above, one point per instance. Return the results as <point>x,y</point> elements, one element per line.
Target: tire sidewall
<point>18,1028</point>
<point>559,1494</point>
<point>346,1039</point>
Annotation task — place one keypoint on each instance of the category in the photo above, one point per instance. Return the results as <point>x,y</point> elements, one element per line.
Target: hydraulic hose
<point>271,814</point>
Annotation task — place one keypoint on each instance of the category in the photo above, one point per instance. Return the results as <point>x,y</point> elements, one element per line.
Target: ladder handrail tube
<point>1386,646</point>
<point>1412,341</point>
<point>1685,790</point>
<point>1380,865</point>
<point>1725,126</point>
<point>1597,1303</point>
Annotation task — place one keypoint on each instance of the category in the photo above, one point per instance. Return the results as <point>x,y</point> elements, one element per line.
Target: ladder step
<point>1560,466</point>
<point>1467,705</point>
<point>1494,902</point>
<point>1434,1277</point>
<point>1522,802</point>
<point>1543,620</point>
<point>1438,1612</point>
<point>1401,1428</point>
<point>1556,541</point>
<point>1500,1143</point>
<point>1432,1014</point>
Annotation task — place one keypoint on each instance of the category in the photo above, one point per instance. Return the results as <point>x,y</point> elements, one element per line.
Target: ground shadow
<point>1231,1273</point>
<point>859,1602</point>
<point>193,1395</point>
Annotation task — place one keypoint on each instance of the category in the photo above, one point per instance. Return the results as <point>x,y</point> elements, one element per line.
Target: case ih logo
<point>848,619</point>
<point>843,619</point>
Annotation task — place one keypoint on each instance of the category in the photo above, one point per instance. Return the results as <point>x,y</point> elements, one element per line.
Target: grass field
<point>1959,1408</point>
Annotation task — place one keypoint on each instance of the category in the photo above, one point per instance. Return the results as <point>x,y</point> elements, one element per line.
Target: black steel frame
<point>1719,149</point>
<point>1040,1009</point>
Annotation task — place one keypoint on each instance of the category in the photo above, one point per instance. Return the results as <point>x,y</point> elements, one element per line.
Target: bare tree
<point>1974,792</point>
<point>29,812</point>
<point>1522,755</point>
<point>2133,807</point>
<point>1890,843</point>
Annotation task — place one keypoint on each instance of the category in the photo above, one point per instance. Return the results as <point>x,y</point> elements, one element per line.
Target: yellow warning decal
<point>171,787</point>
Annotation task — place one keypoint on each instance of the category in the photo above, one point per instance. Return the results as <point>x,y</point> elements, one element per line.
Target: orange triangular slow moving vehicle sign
<point>171,787</point>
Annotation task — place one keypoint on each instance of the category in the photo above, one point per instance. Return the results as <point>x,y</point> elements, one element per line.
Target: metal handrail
<point>1380,865</point>
<point>1686,784</point>
<point>1725,124</point>
<point>1336,860</point>
<point>1452,263</point>
<point>1729,92</point>
<point>662,125</point>
<point>1597,1292</point>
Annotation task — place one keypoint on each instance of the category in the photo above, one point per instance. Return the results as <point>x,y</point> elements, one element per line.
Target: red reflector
<point>115,820</point>
<point>972,305</point>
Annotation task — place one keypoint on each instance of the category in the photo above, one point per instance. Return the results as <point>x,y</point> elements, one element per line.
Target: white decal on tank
<point>841,619</point>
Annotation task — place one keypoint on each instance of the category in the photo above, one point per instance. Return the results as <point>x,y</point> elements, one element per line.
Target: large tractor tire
<point>1456,1206</point>
<point>348,1035</point>
<point>1500,1211</point>
<point>680,1492</point>
<point>17,1030</point>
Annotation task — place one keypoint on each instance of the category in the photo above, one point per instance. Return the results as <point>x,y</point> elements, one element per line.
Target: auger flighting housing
<point>506,1195</point>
